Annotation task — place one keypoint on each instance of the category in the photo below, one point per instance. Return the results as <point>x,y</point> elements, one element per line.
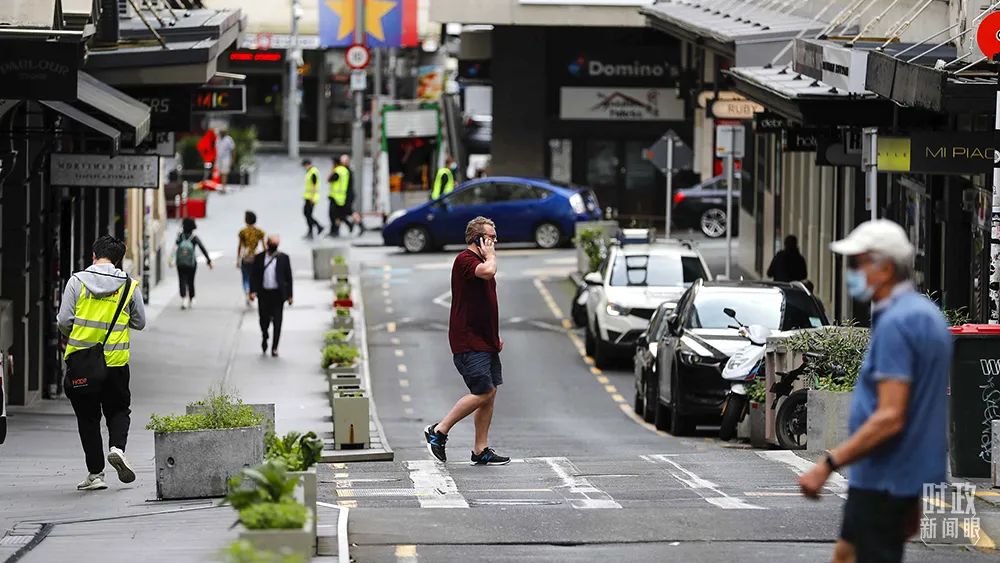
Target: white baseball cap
<point>880,236</point>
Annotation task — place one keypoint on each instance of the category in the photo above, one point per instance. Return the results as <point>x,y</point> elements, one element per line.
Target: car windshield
<point>653,270</point>
<point>767,308</point>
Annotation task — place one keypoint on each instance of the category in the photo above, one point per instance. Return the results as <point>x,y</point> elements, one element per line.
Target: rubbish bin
<point>974,390</point>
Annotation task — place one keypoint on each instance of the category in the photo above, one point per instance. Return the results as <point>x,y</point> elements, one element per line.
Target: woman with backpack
<point>187,262</point>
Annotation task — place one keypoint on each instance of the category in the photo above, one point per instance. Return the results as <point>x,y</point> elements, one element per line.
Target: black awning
<point>115,104</point>
<point>88,120</point>
<point>915,85</point>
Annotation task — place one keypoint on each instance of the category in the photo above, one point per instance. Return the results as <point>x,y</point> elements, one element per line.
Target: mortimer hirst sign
<point>102,171</point>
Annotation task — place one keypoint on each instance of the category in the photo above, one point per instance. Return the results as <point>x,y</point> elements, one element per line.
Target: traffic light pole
<point>293,84</point>
<point>670,185</point>
<point>358,131</point>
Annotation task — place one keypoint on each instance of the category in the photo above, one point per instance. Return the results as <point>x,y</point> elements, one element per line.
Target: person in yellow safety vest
<point>88,305</point>
<point>311,197</point>
<point>341,196</point>
<point>444,181</point>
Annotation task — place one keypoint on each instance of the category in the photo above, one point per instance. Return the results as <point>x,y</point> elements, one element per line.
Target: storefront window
<point>602,163</point>
<point>639,174</point>
<point>561,158</point>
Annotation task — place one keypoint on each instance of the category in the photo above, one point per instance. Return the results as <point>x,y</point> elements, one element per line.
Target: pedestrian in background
<point>250,239</point>
<point>341,196</point>
<point>187,262</point>
<point>898,422</point>
<point>87,317</point>
<point>444,180</point>
<point>226,149</point>
<point>474,335</point>
<point>311,197</point>
<point>788,264</point>
<point>272,283</point>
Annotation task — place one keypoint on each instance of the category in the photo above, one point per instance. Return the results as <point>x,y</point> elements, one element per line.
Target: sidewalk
<point>179,356</point>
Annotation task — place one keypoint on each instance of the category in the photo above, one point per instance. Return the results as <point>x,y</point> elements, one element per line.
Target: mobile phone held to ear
<point>479,242</point>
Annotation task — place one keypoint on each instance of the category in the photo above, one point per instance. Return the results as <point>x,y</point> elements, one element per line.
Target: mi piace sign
<point>219,99</point>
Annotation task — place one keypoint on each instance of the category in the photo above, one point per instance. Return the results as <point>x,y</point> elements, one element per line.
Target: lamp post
<point>292,98</point>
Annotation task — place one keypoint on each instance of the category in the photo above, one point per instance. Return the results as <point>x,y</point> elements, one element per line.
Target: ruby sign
<point>357,56</point>
<point>988,35</point>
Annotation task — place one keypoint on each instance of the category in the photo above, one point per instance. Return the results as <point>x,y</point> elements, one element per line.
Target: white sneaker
<point>117,459</point>
<point>191,303</point>
<point>93,482</point>
<point>184,303</point>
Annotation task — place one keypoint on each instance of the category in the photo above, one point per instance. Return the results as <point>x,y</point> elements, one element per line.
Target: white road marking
<point>402,368</point>
<point>404,382</point>
<point>389,311</point>
<point>406,398</point>
<point>578,491</point>
<point>443,300</point>
<point>385,293</point>
<point>699,486</point>
<point>837,483</point>
<point>394,341</point>
<point>408,410</point>
<point>434,485</point>
<point>399,353</point>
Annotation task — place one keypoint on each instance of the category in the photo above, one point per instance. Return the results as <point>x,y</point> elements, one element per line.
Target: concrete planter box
<point>349,339</point>
<point>307,490</point>
<point>322,258</point>
<point>350,419</point>
<point>757,425</point>
<point>199,463</point>
<point>342,377</point>
<point>826,425</point>
<point>339,271</point>
<point>300,540</point>
<point>343,323</point>
<point>264,409</point>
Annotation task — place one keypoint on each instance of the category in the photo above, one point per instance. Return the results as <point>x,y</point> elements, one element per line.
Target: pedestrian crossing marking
<point>837,483</point>
<point>434,485</point>
<point>577,490</point>
<point>699,485</point>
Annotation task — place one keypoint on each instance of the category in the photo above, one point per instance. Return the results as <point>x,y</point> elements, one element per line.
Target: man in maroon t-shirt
<point>474,334</point>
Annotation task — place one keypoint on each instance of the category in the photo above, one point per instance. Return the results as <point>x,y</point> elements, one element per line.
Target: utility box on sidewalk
<point>199,463</point>
<point>974,388</point>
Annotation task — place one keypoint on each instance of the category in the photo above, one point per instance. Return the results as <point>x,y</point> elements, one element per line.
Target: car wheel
<point>588,342</point>
<point>637,406</point>
<point>416,239</point>
<point>602,351</point>
<point>680,425</point>
<point>651,400</point>
<point>547,235</point>
<point>713,222</point>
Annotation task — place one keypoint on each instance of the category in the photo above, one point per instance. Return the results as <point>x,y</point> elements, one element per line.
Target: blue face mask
<point>857,285</point>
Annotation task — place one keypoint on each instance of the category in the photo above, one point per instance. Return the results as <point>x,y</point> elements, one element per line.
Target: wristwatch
<point>830,462</point>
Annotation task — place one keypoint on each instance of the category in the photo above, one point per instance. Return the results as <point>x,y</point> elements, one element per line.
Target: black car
<point>699,340</point>
<point>644,359</point>
<point>703,206</point>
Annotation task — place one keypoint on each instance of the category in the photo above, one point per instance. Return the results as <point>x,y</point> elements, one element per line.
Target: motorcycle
<point>790,422</point>
<point>742,368</point>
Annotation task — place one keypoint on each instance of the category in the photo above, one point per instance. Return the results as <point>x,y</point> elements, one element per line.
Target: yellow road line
<point>406,551</point>
<point>399,353</point>
<point>987,494</point>
<point>618,398</point>
<point>389,311</point>
<point>610,388</point>
<point>347,503</point>
<point>595,371</point>
<point>983,542</point>
<point>638,420</point>
<point>385,286</point>
<point>406,398</point>
<point>567,324</point>
<point>390,327</point>
<point>340,475</point>
<point>339,465</point>
<point>404,382</point>
<point>936,502</point>
<point>345,492</point>
<point>402,368</point>
<point>603,379</point>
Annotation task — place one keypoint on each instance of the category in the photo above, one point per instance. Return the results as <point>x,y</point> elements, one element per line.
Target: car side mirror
<point>729,313</point>
<point>593,278</point>
<point>674,324</point>
<point>643,337</point>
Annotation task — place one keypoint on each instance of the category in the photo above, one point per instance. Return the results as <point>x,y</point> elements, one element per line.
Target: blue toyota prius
<point>524,210</point>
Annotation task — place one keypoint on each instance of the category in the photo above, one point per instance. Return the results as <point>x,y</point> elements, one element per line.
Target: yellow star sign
<point>374,11</point>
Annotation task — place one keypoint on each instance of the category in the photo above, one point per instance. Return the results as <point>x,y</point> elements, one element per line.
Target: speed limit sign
<point>357,56</point>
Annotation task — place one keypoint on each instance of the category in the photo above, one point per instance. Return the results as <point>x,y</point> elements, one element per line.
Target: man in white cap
<point>898,417</point>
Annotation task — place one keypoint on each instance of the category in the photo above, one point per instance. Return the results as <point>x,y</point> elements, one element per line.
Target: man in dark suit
<point>271,280</point>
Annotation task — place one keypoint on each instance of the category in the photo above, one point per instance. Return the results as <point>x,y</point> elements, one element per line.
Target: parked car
<point>478,134</point>
<point>700,337</point>
<point>3,402</point>
<point>644,359</point>
<point>703,206</point>
<point>628,287</point>
<point>524,209</point>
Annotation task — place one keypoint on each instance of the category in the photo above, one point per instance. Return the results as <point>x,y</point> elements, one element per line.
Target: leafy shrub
<point>343,291</point>
<point>343,312</point>
<point>955,317</point>
<point>283,515</point>
<point>242,551</point>
<point>335,336</point>
<point>245,139</point>
<point>297,451</point>
<point>339,260</point>
<point>842,346</point>
<point>197,194</point>
<point>594,245</point>
<point>222,411</point>
<point>339,355</point>
<point>268,482</point>
<point>187,148</point>
<point>757,391</point>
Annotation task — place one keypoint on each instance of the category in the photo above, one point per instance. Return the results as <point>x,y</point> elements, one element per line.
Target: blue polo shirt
<point>910,342</point>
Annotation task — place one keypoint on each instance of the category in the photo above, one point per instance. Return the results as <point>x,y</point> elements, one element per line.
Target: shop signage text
<point>768,122</point>
<point>34,70</point>
<point>940,152</point>
<point>735,109</point>
<point>614,66</point>
<point>620,104</point>
<point>219,99</point>
<point>169,108</point>
<point>278,41</point>
<point>837,66</point>
<point>803,139</point>
<point>102,171</point>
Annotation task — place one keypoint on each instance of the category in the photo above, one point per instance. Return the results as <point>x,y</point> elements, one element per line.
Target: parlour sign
<point>38,70</point>
<point>102,171</point>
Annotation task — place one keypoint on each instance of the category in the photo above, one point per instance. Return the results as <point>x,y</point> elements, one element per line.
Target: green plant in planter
<point>223,411</point>
<point>242,551</point>
<point>197,194</point>
<point>268,482</point>
<point>245,139</point>
<point>190,157</point>
<point>283,515</point>
<point>343,291</point>
<point>594,245</point>
<point>757,391</point>
<point>339,355</point>
<point>343,311</point>
<point>954,317</point>
<point>297,451</point>
<point>842,346</point>
<point>334,336</point>
<point>339,260</point>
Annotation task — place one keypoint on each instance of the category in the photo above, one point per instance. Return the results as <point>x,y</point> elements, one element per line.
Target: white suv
<point>625,291</point>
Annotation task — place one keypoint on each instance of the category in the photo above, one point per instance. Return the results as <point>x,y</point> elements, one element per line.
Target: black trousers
<point>114,400</point>
<point>337,214</point>
<point>185,275</point>
<point>270,308</point>
<point>311,222</point>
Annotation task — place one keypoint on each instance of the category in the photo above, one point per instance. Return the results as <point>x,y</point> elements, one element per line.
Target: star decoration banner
<point>388,23</point>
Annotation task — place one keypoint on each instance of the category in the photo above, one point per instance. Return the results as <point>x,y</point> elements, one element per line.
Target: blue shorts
<point>481,370</point>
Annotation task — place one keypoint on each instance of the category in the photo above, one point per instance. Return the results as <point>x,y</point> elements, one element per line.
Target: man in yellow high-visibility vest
<point>444,180</point>
<point>341,195</point>
<point>85,314</point>
<point>311,197</point>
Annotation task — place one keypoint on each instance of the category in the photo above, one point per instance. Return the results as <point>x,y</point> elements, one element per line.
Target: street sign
<point>357,56</point>
<point>735,109</point>
<point>658,154</point>
<point>359,81</point>
<point>729,140</point>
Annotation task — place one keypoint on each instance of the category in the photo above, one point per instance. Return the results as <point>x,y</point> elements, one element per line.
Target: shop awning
<point>87,120</point>
<point>918,85</point>
<point>7,105</point>
<point>753,39</point>
<point>115,104</point>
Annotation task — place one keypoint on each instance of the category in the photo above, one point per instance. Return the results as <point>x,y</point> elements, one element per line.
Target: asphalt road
<point>589,481</point>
